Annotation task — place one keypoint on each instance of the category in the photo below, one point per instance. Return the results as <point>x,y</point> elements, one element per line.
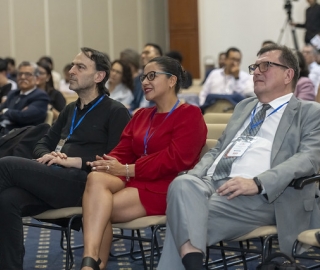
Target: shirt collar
<point>278,101</point>
<point>27,92</point>
<point>87,106</point>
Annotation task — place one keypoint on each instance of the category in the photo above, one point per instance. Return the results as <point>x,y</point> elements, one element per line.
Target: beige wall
<point>32,28</point>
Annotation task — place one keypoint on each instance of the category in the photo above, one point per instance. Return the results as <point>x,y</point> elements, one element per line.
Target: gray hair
<point>30,64</point>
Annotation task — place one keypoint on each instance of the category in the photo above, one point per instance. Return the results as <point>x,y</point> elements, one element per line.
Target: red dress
<point>174,145</point>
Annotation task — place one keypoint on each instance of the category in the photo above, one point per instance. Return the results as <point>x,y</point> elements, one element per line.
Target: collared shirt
<point>121,93</point>
<point>27,92</point>
<point>314,75</point>
<point>220,83</point>
<point>257,157</point>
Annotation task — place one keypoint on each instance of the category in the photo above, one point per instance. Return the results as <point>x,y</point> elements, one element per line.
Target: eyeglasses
<point>26,74</point>
<point>152,75</point>
<point>263,66</point>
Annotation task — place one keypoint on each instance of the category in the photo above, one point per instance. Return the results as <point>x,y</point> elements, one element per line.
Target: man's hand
<point>235,69</point>
<point>238,186</point>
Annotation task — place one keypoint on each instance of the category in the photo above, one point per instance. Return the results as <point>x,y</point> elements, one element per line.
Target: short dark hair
<point>232,49</point>
<point>156,46</point>
<point>102,63</point>
<point>132,57</point>
<point>175,55</point>
<point>172,66</point>
<point>10,61</point>
<point>3,65</point>
<point>30,64</point>
<point>126,79</point>
<point>267,43</point>
<point>286,58</point>
<point>304,70</point>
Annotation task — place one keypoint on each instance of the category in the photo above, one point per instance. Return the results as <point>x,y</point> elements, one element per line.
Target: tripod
<point>293,32</point>
<point>288,7</point>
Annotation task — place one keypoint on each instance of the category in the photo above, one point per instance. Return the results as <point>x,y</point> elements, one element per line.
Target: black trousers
<point>29,188</point>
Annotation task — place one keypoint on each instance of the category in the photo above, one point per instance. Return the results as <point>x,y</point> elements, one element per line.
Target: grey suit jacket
<point>295,153</point>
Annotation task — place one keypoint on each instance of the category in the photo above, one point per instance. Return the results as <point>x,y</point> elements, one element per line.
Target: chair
<point>221,106</point>
<point>217,118</point>
<point>215,130</point>
<point>153,222</point>
<point>49,117</point>
<point>66,219</point>
<point>267,233</point>
<point>307,238</point>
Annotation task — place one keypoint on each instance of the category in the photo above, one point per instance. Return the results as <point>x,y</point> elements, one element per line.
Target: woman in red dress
<point>132,181</point>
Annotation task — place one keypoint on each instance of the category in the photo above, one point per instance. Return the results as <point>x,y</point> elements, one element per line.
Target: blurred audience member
<point>26,106</point>
<point>57,101</point>
<point>188,77</point>
<point>5,85</point>
<point>56,77</point>
<point>228,81</point>
<point>12,72</point>
<point>221,63</point>
<point>120,83</point>
<point>64,83</point>
<point>149,52</point>
<point>267,43</point>
<point>133,59</point>
<point>304,88</point>
<point>310,55</point>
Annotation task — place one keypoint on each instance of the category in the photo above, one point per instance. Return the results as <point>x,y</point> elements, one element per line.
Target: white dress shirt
<point>314,75</point>
<point>122,94</point>
<point>257,157</point>
<point>220,83</point>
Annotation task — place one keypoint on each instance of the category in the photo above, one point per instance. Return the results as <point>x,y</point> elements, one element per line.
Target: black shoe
<point>90,262</point>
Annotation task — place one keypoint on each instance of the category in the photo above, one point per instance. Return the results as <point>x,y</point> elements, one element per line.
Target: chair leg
<point>142,251</point>
<point>243,255</point>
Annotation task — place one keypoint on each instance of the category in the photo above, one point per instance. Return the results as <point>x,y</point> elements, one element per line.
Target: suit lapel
<point>284,125</point>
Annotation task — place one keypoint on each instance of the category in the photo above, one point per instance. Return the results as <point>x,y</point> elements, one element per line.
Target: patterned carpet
<point>43,252</point>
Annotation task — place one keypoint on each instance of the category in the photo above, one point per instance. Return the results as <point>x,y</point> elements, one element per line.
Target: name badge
<point>60,145</point>
<point>240,146</point>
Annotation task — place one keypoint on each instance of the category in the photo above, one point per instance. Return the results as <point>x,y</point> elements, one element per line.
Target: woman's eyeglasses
<point>152,75</point>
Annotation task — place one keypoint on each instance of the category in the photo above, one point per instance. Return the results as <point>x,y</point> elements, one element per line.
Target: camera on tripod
<point>288,8</point>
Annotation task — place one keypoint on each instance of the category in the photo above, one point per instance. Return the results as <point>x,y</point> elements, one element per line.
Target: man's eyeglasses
<point>152,75</point>
<point>26,74</point>
<point>263,67</point>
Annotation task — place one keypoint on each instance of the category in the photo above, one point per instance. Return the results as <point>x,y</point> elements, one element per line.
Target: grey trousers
<point>197,214</point>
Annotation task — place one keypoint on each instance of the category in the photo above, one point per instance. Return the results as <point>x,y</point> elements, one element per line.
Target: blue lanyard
<point>146,138</point>
<point>72,128</point>
<point>253,125</point>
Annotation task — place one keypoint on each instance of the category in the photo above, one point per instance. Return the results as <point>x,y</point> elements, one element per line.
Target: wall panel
<point>95,25</point>
<point>63,29</point>
<point>5,29</point>
<point>29,29</point>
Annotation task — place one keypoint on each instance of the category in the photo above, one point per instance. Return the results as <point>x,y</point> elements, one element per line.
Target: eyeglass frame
<point>143,76</point>
<point>28,75</point>
<point>251,70</point>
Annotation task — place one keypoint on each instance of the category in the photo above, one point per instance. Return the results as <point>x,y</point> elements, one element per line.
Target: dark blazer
<point>25,110</point>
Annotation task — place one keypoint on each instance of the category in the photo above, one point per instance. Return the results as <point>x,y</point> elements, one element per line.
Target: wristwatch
<point>258,183</point>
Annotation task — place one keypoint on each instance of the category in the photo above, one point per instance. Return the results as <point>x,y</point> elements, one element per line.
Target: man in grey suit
<point>242,183</point>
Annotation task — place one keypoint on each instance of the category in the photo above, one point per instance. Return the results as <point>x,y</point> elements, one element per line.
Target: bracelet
<point>127,173</point>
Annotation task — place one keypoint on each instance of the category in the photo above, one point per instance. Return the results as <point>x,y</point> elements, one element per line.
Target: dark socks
<point>193,261</point>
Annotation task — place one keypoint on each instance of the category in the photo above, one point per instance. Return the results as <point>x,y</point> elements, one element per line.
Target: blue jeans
<point>29,188</point>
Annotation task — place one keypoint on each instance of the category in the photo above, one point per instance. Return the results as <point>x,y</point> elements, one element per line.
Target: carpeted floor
<point>43,252</point>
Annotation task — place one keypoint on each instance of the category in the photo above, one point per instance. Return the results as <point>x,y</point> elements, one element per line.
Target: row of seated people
<point>231,84</point>
<point>120,169</point>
